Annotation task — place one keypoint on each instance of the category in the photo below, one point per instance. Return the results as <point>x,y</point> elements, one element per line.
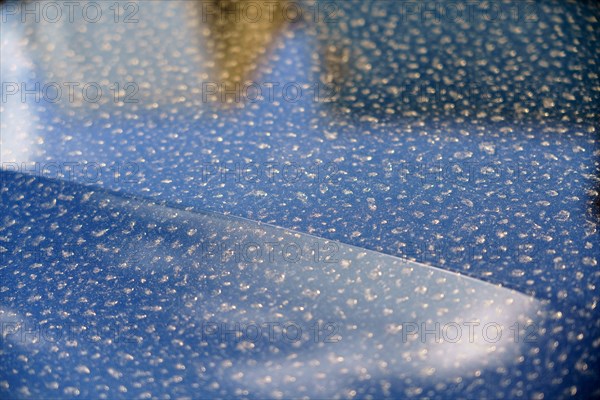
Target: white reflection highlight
<point>17,117</point>
<point>397,319</point>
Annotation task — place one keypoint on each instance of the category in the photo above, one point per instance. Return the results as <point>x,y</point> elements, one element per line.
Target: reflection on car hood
<point>131,286</point>
<point>412,147</point>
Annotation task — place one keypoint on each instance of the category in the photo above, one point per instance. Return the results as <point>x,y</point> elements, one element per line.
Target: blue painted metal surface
<point>467,144</point>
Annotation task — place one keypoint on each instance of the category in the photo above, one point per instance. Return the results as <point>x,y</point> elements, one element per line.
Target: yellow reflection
<point>241,32</point>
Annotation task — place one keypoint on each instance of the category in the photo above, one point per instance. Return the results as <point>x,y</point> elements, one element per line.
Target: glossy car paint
<point>466,145</point>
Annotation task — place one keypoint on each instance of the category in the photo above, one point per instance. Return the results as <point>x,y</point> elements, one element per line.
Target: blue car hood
<point>370,199</point>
